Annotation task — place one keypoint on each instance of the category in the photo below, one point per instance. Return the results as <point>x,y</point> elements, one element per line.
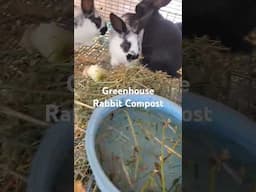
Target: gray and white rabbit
<point>125,41</point>
<point>162,39</point>
<point>87,23</point>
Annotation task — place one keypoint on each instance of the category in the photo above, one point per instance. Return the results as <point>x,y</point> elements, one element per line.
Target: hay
<point>215,72</point>
<point>28,82</point>
<point>22,113</point>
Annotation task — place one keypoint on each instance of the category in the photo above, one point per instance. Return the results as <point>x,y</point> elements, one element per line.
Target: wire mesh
<point>119,7</point>
<point>173,11</point>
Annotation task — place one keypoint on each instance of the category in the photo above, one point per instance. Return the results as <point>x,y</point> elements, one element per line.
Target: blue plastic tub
<point>103,182</point>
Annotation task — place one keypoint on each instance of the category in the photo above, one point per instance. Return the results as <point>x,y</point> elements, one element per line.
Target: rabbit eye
<point>126,45</point>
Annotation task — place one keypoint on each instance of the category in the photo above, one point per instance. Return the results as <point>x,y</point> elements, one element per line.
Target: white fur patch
<point>85,31</point>
<point>118,57</point>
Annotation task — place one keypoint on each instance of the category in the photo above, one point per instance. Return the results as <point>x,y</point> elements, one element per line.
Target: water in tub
<point>140,150</point>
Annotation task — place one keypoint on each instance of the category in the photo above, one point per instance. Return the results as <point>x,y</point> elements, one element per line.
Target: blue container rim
<point>99,114</point>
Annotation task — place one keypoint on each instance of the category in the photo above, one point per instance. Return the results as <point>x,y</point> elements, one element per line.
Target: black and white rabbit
<point>87,23</point>
<point>162,39</point>
<point>125,42</point>
<point>226,20</point>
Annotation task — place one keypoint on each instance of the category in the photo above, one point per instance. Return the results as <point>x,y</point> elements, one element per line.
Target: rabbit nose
<point>131,57</point>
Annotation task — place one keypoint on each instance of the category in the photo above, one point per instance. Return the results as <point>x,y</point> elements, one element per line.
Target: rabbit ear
<point>87,6</point>
<point>131,20</point>
<point>160,3</point>
<point>118,24</point>
<point>142,21</point>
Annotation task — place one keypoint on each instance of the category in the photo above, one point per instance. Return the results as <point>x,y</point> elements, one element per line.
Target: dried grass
<point>26,87</point>
<point>215,72</point>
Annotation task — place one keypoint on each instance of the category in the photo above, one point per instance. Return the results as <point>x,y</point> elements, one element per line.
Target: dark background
<point>220,64</point>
